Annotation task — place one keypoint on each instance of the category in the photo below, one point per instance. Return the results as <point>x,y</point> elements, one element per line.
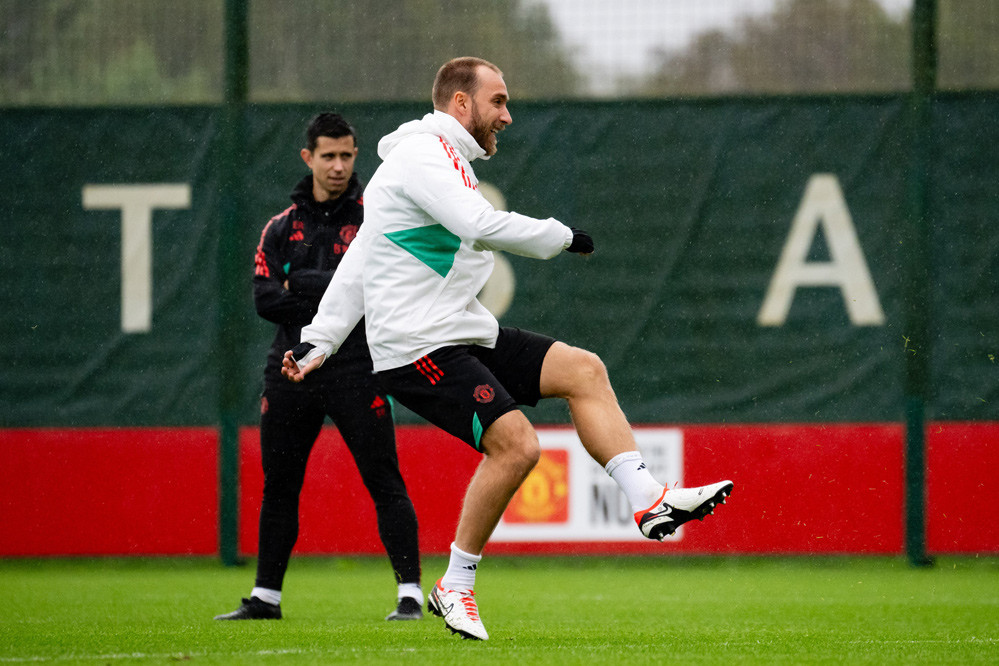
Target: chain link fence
<point>121,52</point>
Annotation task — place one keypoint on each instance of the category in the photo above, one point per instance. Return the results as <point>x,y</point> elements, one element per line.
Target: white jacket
<point>423,252</point>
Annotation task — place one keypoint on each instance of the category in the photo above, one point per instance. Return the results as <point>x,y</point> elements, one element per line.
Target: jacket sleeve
<point>438,184</point>
<point>272,301</point>
<point>342,306</point>
<point>309,283</point>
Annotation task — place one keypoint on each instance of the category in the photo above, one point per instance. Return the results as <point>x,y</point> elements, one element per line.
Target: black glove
<point>299,351</point>
<point>581,242</point>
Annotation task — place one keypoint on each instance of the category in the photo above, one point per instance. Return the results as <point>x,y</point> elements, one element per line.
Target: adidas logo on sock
<point>471,567</point>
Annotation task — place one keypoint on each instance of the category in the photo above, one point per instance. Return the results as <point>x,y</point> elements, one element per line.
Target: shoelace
<point>468,601</point>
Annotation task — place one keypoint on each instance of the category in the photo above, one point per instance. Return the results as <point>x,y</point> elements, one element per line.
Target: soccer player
<point>413,273</point>
<point>300,250</point>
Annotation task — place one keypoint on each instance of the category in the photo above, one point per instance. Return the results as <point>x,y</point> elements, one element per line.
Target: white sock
<point>272,597</point>
<point>629,471</point>
<point>411,590</point>
<point>460,574</point>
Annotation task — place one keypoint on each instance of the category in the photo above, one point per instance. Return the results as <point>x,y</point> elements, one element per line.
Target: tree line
<point>83,52</point>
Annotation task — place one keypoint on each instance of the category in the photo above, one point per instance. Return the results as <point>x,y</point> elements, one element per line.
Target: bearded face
<point>484,131</point>
<point>488,113</point>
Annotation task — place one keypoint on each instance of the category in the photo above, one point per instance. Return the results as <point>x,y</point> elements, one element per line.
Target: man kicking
<point>413,272</point>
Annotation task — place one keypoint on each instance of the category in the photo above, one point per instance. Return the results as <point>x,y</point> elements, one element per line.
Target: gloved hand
<point>299,351</point>
<point>581,242</point>
<point>301,360</point>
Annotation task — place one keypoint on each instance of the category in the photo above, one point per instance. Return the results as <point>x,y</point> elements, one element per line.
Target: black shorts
<point>462,389</point>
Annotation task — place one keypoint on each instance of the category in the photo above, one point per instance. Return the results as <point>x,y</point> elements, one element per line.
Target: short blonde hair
<point>458,75</point>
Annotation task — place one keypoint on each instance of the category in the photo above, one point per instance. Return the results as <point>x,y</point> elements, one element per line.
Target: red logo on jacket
<point>348,232</point>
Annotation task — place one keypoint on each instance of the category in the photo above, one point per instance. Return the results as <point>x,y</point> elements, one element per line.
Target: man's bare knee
<point>573,372</point>
<point>590,369</point>
<point>512,439</point>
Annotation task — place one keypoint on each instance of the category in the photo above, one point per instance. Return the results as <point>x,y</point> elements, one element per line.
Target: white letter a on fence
<point>823,206</point>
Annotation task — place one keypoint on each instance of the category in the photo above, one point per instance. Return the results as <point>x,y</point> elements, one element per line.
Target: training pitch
<point>537,611</point>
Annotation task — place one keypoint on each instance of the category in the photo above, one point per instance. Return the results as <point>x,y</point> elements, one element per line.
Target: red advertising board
<point>799,489</point>
<point>962,463</point>
<point>116,491</point>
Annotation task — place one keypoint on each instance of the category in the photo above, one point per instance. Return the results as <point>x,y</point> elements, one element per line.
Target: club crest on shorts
<point>484,393</point>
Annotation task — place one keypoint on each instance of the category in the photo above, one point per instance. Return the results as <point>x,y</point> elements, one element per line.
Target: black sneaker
<point>408,609</point>
<point>253,609</point>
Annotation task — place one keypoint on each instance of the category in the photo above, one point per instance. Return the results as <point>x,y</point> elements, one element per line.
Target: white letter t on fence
<point>136,203</point>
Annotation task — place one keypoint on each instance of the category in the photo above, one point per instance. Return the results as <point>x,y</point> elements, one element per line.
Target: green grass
<point>546,610</point>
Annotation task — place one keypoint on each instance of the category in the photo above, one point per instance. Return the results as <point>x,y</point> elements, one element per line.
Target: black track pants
<point>289,425</point>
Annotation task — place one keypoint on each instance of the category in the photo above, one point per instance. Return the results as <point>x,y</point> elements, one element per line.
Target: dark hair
<point>460,74</point>
<point>332,125</point>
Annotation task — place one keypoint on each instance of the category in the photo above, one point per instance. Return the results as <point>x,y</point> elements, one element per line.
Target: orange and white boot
<point>680,505</point>
<point>459,610</point>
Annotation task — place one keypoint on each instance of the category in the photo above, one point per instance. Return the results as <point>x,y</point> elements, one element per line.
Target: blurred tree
<point>110,52</point>
<point>804,46</point>
<point>127,52</point>
<point>305,50</point>
<point>967,44</point>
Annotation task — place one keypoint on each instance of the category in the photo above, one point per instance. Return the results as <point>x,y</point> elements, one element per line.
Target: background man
<point>413,274</point>
<point>299,251</point>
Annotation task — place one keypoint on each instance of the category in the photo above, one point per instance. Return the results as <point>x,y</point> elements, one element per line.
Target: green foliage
<point>831,46</point>
<point>537,610</point>
<point>803,46</point>
<point>342,50</point>
<point>86,52</point>
<point>90,52</point>
<point>969,53</point>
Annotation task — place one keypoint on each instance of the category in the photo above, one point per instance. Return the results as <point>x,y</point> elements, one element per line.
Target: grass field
<point>537,611</point>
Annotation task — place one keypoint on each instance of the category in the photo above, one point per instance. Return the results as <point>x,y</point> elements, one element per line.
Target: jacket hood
<point>437,123</point>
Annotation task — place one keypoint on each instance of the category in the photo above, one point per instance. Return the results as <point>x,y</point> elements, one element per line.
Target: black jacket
<point>304,245</point>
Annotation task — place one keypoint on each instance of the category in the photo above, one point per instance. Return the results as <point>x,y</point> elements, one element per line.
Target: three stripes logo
<point>429,369</point>
<point>457,164</point>
<point>379,406</point>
